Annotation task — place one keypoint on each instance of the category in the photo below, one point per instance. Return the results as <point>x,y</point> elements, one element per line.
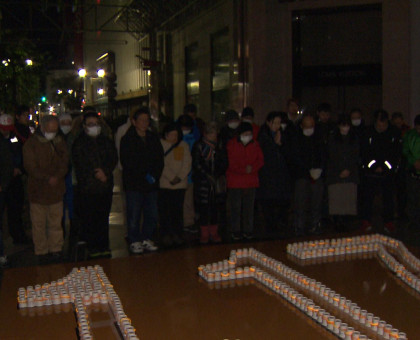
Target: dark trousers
<point>2,203</point>
<point>14,202</point>
<point>401,192</point>
<point>370,187</point>
<point>139,203</point>
<point>307,203</point>
<point>93,211</point>
<point>241,203</point>
<point>413,202</point>
<point>275,213</point>
<point>171,204</point>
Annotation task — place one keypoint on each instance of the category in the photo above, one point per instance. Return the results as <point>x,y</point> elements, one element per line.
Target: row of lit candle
<point>82,287</point>
<point>225,270</point>
<point>362,244</point>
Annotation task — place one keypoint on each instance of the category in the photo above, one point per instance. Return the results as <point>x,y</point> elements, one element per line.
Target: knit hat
<point>6,122</point>
<point>244,127</point>
<point>231,115</point>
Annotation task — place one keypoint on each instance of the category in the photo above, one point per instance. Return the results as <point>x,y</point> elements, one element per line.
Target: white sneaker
<point>3,261</point>
<point>149,245</point>
<point>136,248</point>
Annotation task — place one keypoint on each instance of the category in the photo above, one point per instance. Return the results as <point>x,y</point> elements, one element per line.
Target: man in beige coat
<point>45,159</point>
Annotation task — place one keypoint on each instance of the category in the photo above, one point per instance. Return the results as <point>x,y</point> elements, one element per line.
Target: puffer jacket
<point>239,157</point>
<point>42,160</point>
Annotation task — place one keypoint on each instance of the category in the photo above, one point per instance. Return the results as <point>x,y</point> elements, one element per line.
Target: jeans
<point>138,203</point>
<point>307,203</point>
<point>241,202</point>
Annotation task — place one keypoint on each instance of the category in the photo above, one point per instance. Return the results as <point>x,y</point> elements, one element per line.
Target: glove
<point>175,181</point>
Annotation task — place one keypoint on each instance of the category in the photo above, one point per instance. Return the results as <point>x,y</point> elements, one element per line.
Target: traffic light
<point>43,99</point>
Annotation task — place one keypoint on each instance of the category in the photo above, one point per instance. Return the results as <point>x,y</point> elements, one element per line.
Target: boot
<point>204,237</point>
<point>214,235</point>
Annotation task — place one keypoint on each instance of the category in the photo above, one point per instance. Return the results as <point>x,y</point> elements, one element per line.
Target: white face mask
<point>356,122</point>
<point>49,135</point>
<point>186,132</point>
<point>283,126</point>
<point>233,125</point>
<point>247,120</point>
<point>93,131</point>
<point>344,130</point>
<point>65,129</point>
<point>308,132</point>
<point>246,139</point>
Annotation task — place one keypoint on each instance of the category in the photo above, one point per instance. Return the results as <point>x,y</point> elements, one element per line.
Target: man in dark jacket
<point>6,172</point>
<point>309,168</point>
<point>94,159</point>
<point>381,155</point>
<point>15,193</point>
<point>230,130</point>
<point>275,187</point>
<point>141,156</point>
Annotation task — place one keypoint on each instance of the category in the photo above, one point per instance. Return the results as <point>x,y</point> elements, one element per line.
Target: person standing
<point>245,159</point>
<point>94,159</point>
<point>14,195</point>
<point>248,116</point>
<point>141,156</point>
<point>22,130</point>
<point>381,155</point>
<point>173,183</point>
<point>275,187</point>
<point>411,150</point>
<point>309,166</point>
<point>230,129</point>
<point>209,167</point>
<point>187,124</point>
<point>343,172</point>
<point>45,159</point>
<point>6,173</point>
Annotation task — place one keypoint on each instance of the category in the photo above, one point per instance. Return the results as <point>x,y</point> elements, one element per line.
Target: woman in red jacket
<point>245,160</point>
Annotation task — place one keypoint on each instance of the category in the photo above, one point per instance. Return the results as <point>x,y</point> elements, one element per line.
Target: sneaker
<point>236,237</point>
<point>3,261</point>
<point>366,226</point>
<point>390,228</point>
<point>149,245</point>
<point>191,229</point>
<point>136,248</point>
<point>248,236</point>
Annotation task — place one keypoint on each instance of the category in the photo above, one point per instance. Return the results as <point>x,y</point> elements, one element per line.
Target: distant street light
<point>100,92</point>
<point>82,73</point>
<point>101,73</point>
<point>59,92</point>
<point>29,62</point>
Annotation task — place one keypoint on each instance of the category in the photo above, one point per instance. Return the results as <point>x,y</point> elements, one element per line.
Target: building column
<point>414,60</point>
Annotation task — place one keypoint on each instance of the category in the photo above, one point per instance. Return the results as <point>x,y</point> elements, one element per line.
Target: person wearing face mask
<point>245,159</point>
<point>173,183</point>
<point>14,195</point>
<point>357,122</point>
<point>230,130</point>
<point>275,187</point>
<point>308,169</point>
<point>188,136</point>
<point>381,156</point>
<point>45,158</point>
<point>248,116</point>
<point>94,159</point>
<point>342,172</point>
<point>324,126</point>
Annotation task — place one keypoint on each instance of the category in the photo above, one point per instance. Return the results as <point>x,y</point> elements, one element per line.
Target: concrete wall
<point>200,30</point>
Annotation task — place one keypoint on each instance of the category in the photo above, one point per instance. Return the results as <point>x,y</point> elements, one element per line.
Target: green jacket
<point>411,148</point>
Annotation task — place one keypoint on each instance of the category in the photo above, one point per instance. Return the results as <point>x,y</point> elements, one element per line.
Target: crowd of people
<point>299,170</point>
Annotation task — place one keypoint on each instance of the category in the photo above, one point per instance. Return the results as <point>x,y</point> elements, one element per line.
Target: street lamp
<point>82,73</point>
<point>101,73</point>
<point>29,62</point>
